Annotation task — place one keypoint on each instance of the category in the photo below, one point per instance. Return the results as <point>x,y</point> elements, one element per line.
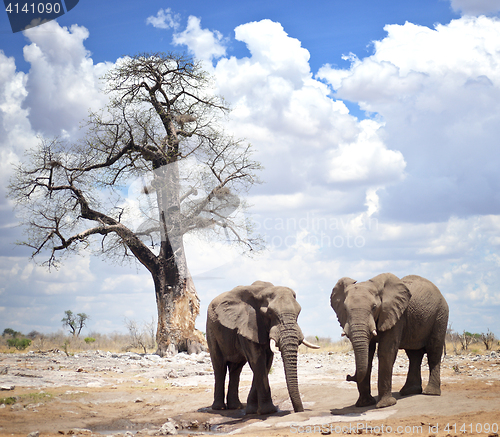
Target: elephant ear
<point>337,299</point>
<point>395,297</point>
<point>239,309</point>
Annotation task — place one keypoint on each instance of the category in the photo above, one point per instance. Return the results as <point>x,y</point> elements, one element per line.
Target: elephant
<point>408,313</point>
<point>250,324</point>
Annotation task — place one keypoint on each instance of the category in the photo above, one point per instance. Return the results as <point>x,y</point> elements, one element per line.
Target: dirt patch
<point>101,393</point>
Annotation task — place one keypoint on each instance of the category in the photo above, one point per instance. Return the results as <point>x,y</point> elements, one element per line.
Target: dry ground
<point>108,394</point>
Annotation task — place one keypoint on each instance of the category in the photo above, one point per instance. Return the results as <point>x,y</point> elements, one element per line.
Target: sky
<point>377,124</point>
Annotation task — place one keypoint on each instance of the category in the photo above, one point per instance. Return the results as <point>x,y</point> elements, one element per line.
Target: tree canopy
<point>164,128</point>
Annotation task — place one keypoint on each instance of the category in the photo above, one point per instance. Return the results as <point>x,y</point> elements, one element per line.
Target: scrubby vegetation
<point>141,339</point>
<point>327,345</point>
<point>115,342</point>
<point>468,342</point>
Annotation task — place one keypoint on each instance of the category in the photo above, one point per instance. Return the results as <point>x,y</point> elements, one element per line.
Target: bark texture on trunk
<point>176,298</point>
<point>178,306</point>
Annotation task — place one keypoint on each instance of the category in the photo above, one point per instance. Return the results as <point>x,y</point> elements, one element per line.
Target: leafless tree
<point>488,339</point>
<point>163,127</point>
<point>140,338</point>
<point>466,339</point>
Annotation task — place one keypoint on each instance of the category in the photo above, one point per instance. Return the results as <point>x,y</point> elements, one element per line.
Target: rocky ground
<point>101,393</point>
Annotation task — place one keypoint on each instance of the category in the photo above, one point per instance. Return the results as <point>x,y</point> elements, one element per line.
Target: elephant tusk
<point>274,348</point>
<point>312,346</point>
<point>374,332</point>
<point>343,334</point>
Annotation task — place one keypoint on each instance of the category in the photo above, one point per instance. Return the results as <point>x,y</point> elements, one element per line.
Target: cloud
<point>63,83</point>
<point>438,94</point>
<point>15,130</point>
<point>202,43</point>
<point>476,7</point>
<point>164,19</point>
<point>365,161</point>
<point>303,136</point>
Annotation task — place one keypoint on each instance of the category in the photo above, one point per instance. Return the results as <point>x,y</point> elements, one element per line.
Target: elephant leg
<point>364,387</point>
<point>434,360</point>
<point>233,400</point>
<point>219,365</point>
<point>260,391</point>
<point>252,400</point>
<point>387,352</point>
<point>220,380</point>
<point>413,384</point>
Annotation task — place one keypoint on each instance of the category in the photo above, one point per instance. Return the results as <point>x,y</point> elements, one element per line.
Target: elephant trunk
<point>289,345</point>
<point>360,339</point>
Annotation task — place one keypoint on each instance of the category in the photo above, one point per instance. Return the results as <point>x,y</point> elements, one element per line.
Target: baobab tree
<point>162,127</point>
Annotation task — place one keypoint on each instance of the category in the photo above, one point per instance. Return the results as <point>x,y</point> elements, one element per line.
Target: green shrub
<point>19,343</point>
<point>89,340</point>
<point>8,401</point>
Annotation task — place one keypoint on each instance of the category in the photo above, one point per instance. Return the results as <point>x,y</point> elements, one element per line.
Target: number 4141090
<point>41,8</point>
<point>469,427</point>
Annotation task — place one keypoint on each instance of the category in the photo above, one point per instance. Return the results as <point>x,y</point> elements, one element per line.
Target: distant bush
<point>11,332</point>
<point>89,340</point>
<point>19,343</point>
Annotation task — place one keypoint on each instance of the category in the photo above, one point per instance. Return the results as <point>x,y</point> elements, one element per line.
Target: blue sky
<point>377,124</point>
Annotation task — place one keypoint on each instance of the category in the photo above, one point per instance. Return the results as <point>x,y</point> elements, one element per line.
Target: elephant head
<point>267,315</point>
<point>364,309</point>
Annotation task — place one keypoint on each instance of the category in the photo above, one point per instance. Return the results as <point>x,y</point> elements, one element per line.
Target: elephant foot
<point>386,401</point>
<point>365,401</point>
<point>234,405</point>
<point>268,408</point>
<point>251,408</point>
<point>432,390</point>
<point>218,406</point>
<point>410,390</point>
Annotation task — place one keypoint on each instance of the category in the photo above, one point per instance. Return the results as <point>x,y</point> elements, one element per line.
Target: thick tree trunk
<point>176,298</point>
<point>178,307</point>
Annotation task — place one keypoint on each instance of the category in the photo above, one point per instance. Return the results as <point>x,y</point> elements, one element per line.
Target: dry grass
<point>119,343</point>
<point>326,345</point>
<point>477,348</point>
<point>114,342</point>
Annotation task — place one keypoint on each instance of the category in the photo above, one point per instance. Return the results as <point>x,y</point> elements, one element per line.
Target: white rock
<point>167,428</point>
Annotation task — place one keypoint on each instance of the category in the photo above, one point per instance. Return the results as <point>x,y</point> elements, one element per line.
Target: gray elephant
<point>248,324</point>
<point>408,313</point>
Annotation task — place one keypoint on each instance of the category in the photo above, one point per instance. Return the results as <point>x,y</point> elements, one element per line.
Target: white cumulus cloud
<point>63,82</point>
<point>438,92</point>
<point>202,43</point>
<point>164,19</point>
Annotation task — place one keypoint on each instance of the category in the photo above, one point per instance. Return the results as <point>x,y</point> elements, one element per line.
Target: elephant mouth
<point>275,349</point>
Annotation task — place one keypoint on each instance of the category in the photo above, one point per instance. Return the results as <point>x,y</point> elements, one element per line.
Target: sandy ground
<point>99,393</point>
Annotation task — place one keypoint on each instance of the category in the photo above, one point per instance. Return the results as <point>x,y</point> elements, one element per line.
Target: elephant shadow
<point>354,411</point>
<point>238,417</point>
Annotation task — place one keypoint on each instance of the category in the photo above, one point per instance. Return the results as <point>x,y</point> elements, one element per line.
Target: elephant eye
<point>374,307</point>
